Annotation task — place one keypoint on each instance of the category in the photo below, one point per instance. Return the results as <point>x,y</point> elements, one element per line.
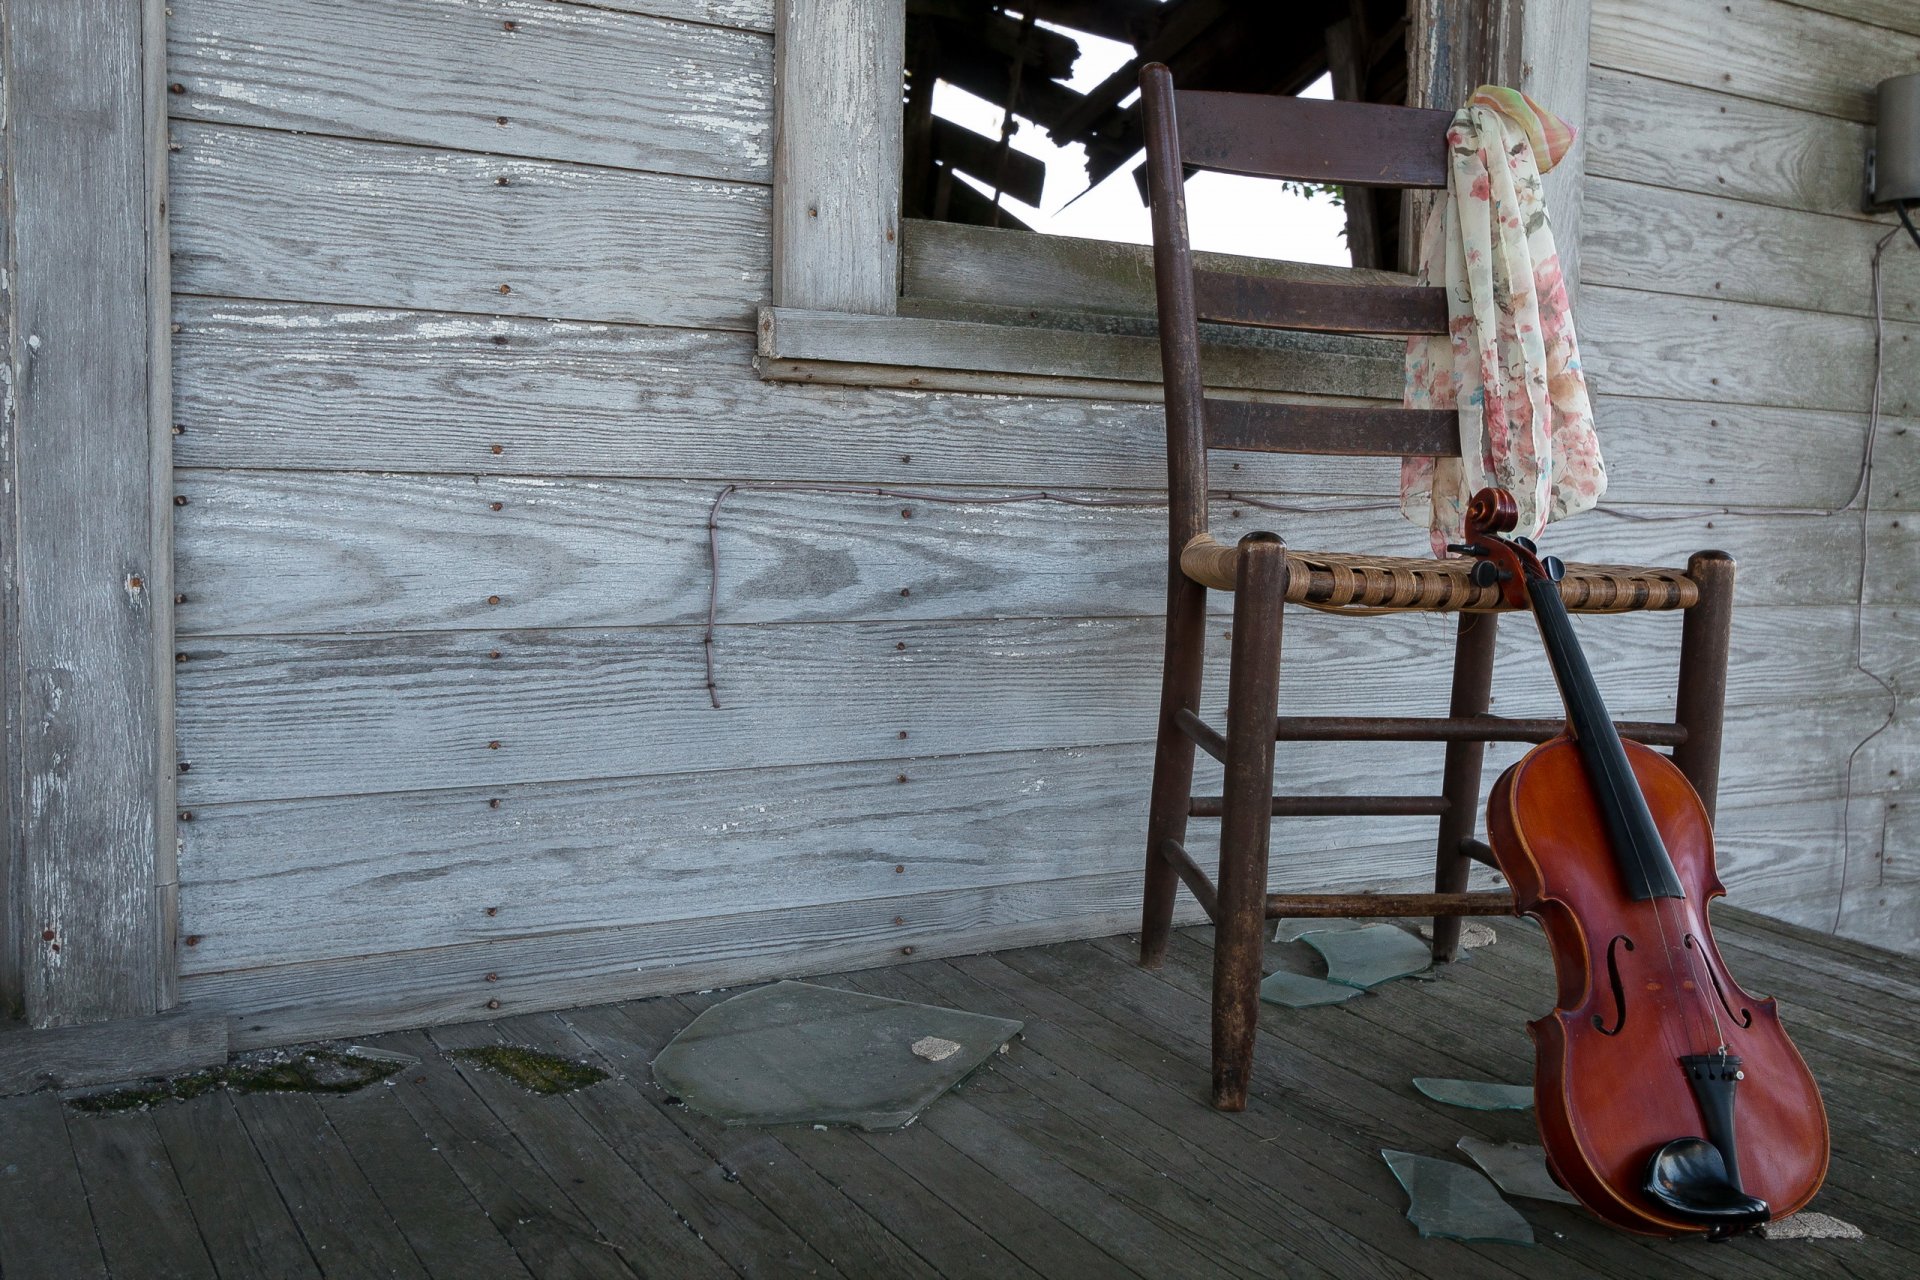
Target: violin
<point>1670,1102</point>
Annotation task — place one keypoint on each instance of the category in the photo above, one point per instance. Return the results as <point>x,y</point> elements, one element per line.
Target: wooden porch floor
<point>1087,1150</point>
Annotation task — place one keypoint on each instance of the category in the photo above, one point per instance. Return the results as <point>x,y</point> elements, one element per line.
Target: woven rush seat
<point>1338,580</point>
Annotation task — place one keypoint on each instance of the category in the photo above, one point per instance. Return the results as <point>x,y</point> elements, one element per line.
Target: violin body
<point>1669,1101</point>
<point>1609,1087</point>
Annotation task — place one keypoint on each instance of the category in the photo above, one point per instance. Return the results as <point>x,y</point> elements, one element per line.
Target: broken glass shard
<point>1452,1201</point>
<point>1476,1095</point>
<point>1299,991</point>
<point>1370,956</point>
<point>1292,930</point>
<point>1517,1168</point>
<point>796,1053</point>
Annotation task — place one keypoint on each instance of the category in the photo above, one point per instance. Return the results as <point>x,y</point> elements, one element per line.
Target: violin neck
<point>1642,856</point>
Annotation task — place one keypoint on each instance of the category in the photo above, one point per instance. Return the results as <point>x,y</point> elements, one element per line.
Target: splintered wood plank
<point>449,1231</point>
<point>632,1217</point>
<point>1763,49</point>
<point>711,1197</point>
<point>46,1228</point>
<point>520,77</point>
<point>836,1224</point>
<point>242,1220</point>
<point>141,1213</point>
<point>1111,1143</point>
<point>536,1215</point>
<point>341,1218</point>
<point>267,215</point>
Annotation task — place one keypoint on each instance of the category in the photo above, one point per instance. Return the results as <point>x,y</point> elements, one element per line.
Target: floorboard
<point>1087,1150</point>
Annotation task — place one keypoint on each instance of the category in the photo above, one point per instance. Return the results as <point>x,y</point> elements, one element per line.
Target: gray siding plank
<point>450,984</point>
<point>1768,50</point>
<point>516,77</point>
<point>277,718</point>
<point>1896,15</point>
<point>1669,346</point>
<point>747,15</point>
<point>345,389</point>
<point>270,553</point>
<point>260,214</point>
<point>572,857</point>
<point>89,609</point>
<point>1686,139</point>
<point>1737,251</point>
<point>836,214</point>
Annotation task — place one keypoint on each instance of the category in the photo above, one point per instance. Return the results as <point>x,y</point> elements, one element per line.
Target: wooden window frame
<point>862,298</point>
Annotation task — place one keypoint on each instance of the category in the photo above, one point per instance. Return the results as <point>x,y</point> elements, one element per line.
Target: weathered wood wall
<point>464,355</point>
<point>1727,273</point>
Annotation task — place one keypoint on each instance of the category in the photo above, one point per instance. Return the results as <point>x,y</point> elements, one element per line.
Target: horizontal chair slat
<point>1456,729</point>
<point>1228,297</point>
<point>1361,430</point>
<point>1333,806</point>
<point>1499,902</point>
<point>1354,144</point>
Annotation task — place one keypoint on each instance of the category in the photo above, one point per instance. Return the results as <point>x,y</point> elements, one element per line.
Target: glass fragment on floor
<point>1301,991</point>
<point>1454,1202</point>
<point>1476,1095</point>
<point>1293,929</point>
<point>1517,1168</point>
<point>796,1053</point>
<point>1370,956</point>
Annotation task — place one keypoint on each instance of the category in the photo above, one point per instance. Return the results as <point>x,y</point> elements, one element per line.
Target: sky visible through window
<point>1226,213</point>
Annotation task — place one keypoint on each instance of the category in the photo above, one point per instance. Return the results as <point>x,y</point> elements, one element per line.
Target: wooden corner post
<point>87,616</point>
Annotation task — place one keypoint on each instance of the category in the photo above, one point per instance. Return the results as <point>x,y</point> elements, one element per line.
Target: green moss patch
<point>275,1071</point>
<point>545,1073</point>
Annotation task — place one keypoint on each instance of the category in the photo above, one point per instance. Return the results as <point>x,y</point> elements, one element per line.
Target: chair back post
<point>1179,325</point>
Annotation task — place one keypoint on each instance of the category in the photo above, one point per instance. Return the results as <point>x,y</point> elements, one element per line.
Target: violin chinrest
<point>1689,1176</point>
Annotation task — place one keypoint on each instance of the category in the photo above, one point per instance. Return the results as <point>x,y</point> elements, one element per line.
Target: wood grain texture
<point>1730,250</point>
<point>1895,15</point>
<point>513,77</point>
<point>1669,346</point>
<point>45,1227</point>
<point>284,553</point>
<point>1274,362</point>
<point>747,15</point>
<point>86,691</point>
<point>948,262</point>
<point>345,389</point>
<point>260,214</point>
<point>107,1052</point>
<point>837,122</point>
<point>1555,59</point>
<point>1768,50</point>
<point>1688,139</point>
<point>274,718</point>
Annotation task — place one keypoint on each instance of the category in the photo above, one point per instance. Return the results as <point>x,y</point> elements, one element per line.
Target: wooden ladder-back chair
<point>1352,144</point>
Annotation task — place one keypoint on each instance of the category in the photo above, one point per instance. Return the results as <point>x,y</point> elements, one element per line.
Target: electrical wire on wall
<point>1862,494</point>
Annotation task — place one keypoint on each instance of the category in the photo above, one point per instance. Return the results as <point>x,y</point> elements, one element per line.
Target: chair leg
<point>1172,759</point>
<point>1246,820</point>
<point>1472,686</point>
<point>1701,706</point>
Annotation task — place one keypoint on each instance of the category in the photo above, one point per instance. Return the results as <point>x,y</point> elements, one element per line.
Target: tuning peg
<point>1554,567</point>
<point>1526,544</point>
<point>1485,573</point>
<point>1466,549</point>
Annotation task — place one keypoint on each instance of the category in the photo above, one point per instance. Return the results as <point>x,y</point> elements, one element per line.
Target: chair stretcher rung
<point>1204,735</point>
<point>1192,876</point>
<point>1332,806</point>
<point>1456,729</point>
<point>1498,902</point>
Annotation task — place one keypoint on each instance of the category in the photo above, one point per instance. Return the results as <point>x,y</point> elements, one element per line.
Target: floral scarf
<point>1509,363</point>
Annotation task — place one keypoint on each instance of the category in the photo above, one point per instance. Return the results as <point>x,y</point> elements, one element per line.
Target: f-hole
<point>1619,992</point>
<point>1743,1016</point>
